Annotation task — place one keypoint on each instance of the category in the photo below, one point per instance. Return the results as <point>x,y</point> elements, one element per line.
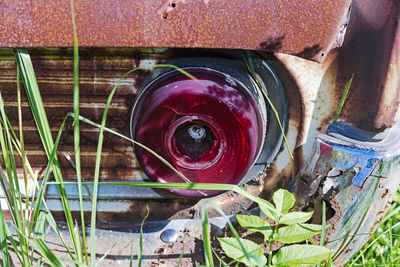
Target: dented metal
<point>357,173</point>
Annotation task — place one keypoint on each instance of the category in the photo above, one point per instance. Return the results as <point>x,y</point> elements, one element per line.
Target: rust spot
<point>333,222</point>
<point>385,193</point>
<point>272,44</point>
<point>310,51</point>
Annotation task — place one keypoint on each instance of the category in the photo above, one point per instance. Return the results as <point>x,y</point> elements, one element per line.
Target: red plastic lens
<point>210,129</point>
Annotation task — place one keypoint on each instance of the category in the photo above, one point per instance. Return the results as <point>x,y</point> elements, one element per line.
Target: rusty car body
<point>314,47</point>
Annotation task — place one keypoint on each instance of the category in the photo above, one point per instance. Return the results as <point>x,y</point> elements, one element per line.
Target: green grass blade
<point>78,251</point>
<point>40,226</point>
<point>21,223</point>
<point>249,63</point>
<point>131,257</point>
<point>99,152</point>
<point>11,169</point>
<point>140,256</point>
<point>17,145</point>
<point>42,189</point>
<point>13,244</point>
<point>50,220</point>
<point>46,253</point>
<point>391,239</point>
<point>77,134</point>
<point>169,165</point>
<point>3,240</point>
<point>206,236</point>
<point>221,262</point>
<point>107,252</point>
<point>343,100</point>
<point>189,186</point>
<point>248,60</point>
<point>180,257</point>
<point>322,241</point>
<point>35,100</point>
<point>9,193</point>
<point>373,242</point>
<point>21,136</point>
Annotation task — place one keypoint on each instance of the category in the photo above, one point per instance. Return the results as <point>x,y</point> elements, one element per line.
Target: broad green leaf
<point>268,209</point>
<point>255,224</point>
<point>297,255</point>
<point>233,250</point>
<point>284,201</point>
<point>297,232</point>
<point>295,217</point>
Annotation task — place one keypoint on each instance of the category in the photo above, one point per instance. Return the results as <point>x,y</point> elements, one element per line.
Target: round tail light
<point>211,129</point>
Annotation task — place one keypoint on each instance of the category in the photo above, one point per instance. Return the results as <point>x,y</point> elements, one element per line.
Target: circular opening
<point>194,140</point>
<point>210,129</point>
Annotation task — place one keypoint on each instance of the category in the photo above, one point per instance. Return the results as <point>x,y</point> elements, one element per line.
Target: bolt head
<point>169,235</point>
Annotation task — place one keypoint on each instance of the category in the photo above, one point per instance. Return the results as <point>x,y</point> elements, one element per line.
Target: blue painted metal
<point>357,172</point>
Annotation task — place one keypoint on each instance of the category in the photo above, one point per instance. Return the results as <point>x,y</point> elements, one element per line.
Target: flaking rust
<point>308,29</point>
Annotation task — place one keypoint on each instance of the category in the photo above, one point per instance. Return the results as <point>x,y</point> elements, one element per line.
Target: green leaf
<point>268,209</point>
<point>233,250</point>
<point>297,255</point>
<point>297,232</point>
<point>284,201</point>
<point>296,217</point>
<point>255,224</point>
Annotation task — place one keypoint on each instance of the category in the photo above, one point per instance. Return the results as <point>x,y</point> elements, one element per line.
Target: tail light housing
<point>212,129</point>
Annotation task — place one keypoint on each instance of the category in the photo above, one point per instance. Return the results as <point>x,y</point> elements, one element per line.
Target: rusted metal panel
<point>308,29</point>
<point>371,52</point>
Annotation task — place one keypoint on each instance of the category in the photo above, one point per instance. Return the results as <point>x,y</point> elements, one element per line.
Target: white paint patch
<point>147,64</point>
<point>22,188</point>
<point>283,158</point>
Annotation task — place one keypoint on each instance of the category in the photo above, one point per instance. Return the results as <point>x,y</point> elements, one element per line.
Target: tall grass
<point>77,148</point>
<point>383,248</point>
<point>32,90</point>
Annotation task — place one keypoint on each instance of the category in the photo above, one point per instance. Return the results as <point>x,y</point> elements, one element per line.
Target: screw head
<point>169,235</point>
<point>197,132</point>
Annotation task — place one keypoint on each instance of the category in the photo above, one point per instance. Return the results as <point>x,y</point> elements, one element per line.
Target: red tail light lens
<point>211,129</point>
